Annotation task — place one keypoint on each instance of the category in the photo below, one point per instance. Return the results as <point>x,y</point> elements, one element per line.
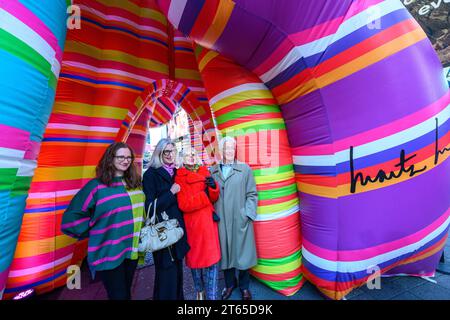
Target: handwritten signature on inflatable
<point>402,164</point>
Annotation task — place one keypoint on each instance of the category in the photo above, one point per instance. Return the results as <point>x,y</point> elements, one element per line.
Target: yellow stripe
<point>135,9</point>
<point>274,178</point>
<point>241,96</point>
<point>219,23</point>
<point>87,110</point>
<point>278,268</point>
<point>344,189</point>
<point>37,247</point>
<point>206,59</point>
<point>118,56</point>
<point>63,173</point>
<point>364,61</point>
<point>250,124</point>
<point>277,207</point>
<point>138,103</point>
<point>187,74</point>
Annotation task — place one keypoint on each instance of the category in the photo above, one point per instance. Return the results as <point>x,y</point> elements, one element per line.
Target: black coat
<point>157,184</point>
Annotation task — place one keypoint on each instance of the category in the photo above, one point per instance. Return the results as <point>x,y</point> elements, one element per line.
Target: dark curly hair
<point>105,170</point>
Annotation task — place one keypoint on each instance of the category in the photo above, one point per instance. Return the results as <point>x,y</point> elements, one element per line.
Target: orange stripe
<point>356,65</point>
<point>219,23</point>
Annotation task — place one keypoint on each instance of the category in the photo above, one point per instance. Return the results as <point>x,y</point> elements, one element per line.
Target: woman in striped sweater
<point>109,211</point>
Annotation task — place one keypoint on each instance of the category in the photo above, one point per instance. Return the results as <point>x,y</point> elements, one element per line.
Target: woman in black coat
<point>159,183</point>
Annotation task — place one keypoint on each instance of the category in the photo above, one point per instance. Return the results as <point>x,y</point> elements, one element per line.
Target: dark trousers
<point>118,281</point>
<point>169,282</point>
<point>230,278</point>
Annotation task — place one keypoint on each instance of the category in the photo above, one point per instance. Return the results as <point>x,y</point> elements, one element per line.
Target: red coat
<point>202,231</point>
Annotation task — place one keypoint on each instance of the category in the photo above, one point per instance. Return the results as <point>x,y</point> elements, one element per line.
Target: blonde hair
<point>156,160</point>
<point>188,152</point>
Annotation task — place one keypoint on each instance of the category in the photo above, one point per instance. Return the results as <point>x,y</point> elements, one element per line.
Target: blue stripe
<point>354,276</point>
<point>357,36</point>
<point>125,31</point>
<point>49,209</point>
<point>79,140</point>
<point>126,124</point>
<point>183,49</point>
<point>190,13</point>
<point>70,76</point>
<point>184,95</point>
<point>166,106</point>
<point>339,46</point>
<point>35,284</point>
<point>53,14</point>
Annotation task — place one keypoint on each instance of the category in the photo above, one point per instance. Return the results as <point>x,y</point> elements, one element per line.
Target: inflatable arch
<point>352,90</point>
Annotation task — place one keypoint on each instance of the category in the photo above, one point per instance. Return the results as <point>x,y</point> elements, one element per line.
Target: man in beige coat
<point>236,209</point>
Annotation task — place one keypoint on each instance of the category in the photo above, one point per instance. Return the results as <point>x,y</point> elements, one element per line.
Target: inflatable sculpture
<point>341,109</point>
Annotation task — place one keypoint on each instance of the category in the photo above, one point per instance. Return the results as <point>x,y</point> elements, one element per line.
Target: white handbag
<point>157,236</point>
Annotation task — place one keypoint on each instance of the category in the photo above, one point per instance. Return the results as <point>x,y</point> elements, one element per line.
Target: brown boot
<point>226,293</point>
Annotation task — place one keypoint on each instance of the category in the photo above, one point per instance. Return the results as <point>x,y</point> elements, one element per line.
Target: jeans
<point>211,275</point>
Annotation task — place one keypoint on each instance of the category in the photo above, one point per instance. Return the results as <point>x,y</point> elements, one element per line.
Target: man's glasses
<point>168,152</point>
<point>123,158</point>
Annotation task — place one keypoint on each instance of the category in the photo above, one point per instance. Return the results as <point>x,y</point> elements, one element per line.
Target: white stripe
<point>278,215</point>
<point>27,35</point>
<point>121,19</point>
<point>11,153</point>
<point>373,147</point>
<point>176,11</point>
<point>362,265</point>
<point>27,168</point>
<point>133,193</point>
<point>24,272</point>
<point>81,128</point>
<point>107,71</point>
<point>293,56</point>
<point>54,194</point>
<point>137,205</point>
<point>347,27</point>
<point>56,67</point>
<point>235,90</point>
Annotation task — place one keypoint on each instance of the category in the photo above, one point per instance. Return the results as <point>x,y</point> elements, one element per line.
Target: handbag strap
<point>151,220</point>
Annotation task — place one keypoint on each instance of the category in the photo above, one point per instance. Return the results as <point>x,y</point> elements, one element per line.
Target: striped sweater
<point>112,219</point>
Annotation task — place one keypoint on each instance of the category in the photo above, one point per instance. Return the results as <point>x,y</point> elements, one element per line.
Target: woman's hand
<point>210,182</point>
<point>175,188</point>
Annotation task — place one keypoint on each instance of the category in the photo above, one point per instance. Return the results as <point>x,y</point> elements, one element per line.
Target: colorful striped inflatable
<point>352,89</point>
<point>366,110</point>
<point>245,109</point>
<point>32,39</point>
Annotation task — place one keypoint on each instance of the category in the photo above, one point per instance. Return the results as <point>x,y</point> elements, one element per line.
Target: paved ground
<point>392,288</point>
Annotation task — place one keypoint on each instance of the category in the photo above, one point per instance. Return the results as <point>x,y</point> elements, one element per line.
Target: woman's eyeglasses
<point>168,152</point>
<point>123,158</point>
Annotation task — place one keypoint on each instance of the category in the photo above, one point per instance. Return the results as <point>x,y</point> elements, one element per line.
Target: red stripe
<point>204,19</point>
<point>274,244</point>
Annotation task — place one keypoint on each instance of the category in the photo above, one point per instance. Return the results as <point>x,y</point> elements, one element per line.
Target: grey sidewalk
<point>392,288</point>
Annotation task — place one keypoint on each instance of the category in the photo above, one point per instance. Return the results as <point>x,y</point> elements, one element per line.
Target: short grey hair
<point>226,139</point>
<point>156,160</point>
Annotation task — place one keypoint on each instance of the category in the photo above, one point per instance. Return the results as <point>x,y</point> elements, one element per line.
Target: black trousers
<point>230,278</point>
<point>118,281</point>
<point>169,282</point>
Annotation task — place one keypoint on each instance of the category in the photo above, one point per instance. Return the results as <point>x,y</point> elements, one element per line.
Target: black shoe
<point>226,293</point>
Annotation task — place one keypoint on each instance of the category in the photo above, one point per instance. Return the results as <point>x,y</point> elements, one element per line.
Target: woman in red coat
<point>198,191</point>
